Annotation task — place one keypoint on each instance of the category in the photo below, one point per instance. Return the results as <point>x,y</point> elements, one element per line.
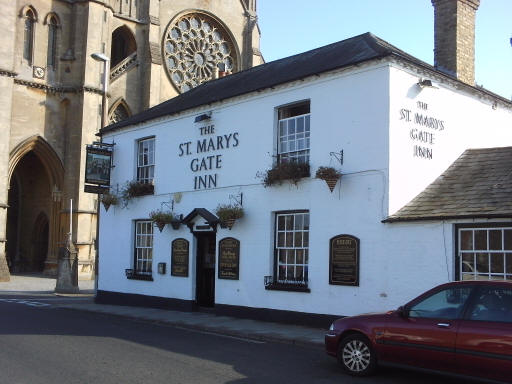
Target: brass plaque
<point>229,258</point>
<point>344,260</point>
<point>179,258</point>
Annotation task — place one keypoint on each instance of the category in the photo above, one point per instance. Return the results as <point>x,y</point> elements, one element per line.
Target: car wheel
<point>356,355</point>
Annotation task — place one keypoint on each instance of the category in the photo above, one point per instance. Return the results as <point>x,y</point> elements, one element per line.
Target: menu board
<point>179,258</point>
<point>229,258</point>
<point>344,260</point>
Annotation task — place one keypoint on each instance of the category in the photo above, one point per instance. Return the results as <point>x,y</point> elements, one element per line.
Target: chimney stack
<point>454,38</point>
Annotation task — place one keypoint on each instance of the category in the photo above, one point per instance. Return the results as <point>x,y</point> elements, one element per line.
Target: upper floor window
<point>51,57</point>
<point>28,36</point>
<point>146,160</point>
<point>485,253</point>
<point>293,133</point>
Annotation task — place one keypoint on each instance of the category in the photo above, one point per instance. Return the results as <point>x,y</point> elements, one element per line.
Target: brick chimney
<point>454,38</point>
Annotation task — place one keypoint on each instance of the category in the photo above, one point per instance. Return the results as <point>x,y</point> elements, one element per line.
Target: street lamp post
<point>106,60</point>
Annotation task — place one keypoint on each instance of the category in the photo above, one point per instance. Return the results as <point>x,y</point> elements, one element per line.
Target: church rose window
<point>193,46</point>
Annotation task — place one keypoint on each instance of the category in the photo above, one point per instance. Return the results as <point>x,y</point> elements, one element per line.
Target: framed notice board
<point>344,260</point>
<point>179,257</point>
<point>229,258</point>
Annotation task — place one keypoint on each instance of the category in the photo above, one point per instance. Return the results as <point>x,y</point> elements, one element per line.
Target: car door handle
<point>443,325</point>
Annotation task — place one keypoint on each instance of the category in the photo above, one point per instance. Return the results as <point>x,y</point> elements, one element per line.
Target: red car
<point>460,328</point>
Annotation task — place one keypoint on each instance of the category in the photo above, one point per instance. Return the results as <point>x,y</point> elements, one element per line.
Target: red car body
<point>467,336</point>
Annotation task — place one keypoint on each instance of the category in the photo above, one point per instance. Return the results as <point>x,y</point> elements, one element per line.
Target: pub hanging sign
<point>97,167</point>
<point>344,260</point>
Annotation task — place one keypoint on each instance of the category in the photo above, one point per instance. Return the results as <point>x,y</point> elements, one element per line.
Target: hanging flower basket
<point>160,225</point>
<point>331,183</point>
<point>161,218</point>
<point>109,199</point>
<point>175,224</point>
<point>229,223</point>
<point>228,214</point>
<point>330,175</point>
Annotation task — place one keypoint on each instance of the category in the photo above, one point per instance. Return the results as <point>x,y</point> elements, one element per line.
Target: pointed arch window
<point>119,113</point>
<point>51,58</point>
<point>123,45</point>
<point>28,36</point>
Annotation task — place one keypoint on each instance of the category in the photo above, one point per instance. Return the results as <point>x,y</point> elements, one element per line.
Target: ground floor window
<point>292,247</point>
<point>485,253</point>
<point>143,262</point>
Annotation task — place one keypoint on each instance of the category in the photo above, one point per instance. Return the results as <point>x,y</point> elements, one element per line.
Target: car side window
<point>445,304</point>
<point>492,304</point>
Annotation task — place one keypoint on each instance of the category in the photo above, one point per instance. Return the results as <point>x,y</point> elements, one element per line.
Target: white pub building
<point>413,206</point>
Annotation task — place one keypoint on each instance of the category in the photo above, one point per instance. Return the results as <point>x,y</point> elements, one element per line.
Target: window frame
<point>139,274</point>
<point>150,167</point>
<point>289,285</point>
<point>29,18</point>
<point>296,153</point>
<point>478,291</point>
<point>459,252</point>
<point>461,311</point>
<point>51,51</point>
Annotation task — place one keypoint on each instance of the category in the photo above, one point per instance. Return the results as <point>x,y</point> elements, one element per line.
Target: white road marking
<point>25,302</point>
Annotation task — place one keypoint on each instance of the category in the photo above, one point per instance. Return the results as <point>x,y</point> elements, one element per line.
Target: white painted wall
<point>350,111</point>
<point>469,122</point>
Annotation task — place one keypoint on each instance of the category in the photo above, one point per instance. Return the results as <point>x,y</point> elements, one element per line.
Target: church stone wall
<point>62,108</point>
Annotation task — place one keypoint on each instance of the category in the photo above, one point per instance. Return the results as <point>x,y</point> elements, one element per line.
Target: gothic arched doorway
<point>27,224</point>
<point>40,235</point>
<point>36,175</point>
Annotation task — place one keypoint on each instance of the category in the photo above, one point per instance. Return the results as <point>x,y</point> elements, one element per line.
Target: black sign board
<point>97,166</point>
<point>229,258</point>
<point>344,260</point>
<point>96,189</point>
<point>179,258</point>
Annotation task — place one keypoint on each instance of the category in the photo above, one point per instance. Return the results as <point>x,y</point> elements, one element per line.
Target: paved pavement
<point>207,322</point>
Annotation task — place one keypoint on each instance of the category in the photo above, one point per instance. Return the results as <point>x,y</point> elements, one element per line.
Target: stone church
<point>51,101</point>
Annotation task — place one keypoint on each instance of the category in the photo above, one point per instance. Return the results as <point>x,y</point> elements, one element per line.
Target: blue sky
<point>293,26</point>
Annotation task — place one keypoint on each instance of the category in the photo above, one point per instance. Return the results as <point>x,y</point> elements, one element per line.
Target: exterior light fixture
<point>204,116</point>
<point>100,57</point>
<point>426,83</point>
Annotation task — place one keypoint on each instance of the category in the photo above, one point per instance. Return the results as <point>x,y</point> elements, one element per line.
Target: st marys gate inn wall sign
<point>206,157</point>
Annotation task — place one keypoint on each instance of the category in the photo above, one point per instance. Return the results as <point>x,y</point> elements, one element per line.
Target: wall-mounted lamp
<point>202,117</point>
<point>426,83</point>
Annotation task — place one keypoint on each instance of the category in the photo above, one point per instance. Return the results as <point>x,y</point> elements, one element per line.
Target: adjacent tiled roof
<point>477,185</point>
<point>344,53</point>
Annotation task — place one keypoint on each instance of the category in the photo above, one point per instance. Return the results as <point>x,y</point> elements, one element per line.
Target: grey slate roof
<point>477,185</point>
<point>344,53</point>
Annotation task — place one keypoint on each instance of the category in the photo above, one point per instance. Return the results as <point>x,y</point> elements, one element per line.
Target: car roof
<point>482,282</point>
